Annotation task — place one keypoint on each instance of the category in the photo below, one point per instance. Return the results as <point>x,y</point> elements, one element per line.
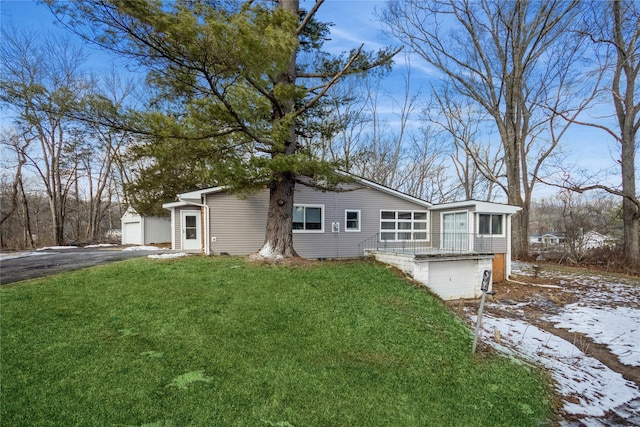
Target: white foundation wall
<point>449,277</point>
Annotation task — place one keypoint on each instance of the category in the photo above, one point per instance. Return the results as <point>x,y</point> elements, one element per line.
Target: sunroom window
<point>490,225</point>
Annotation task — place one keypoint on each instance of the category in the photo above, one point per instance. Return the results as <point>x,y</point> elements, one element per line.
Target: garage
<point>448,276</point>
<point>132,232</point>
<point>141,230</point>
<point>452,279</point>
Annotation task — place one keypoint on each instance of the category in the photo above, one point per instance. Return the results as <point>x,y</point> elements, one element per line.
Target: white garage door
<point>131,234</point>
<point>452,279</point>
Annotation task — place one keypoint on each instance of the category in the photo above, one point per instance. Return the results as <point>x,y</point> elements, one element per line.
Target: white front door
<point>191,237</point>
<point>455,231</point>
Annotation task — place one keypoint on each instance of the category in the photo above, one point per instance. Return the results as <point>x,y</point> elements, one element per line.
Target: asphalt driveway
<point>29,265</point>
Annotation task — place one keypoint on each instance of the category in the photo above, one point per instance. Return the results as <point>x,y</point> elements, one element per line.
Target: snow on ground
<point>56,248</point>
<point>608,312</point>
<point>39,251</point>
<point>618,328</point>
<point>168,256</point>
<point>12,255</point>
<point>589,388</point>
<point>42,251</point>
<point>142,248</point>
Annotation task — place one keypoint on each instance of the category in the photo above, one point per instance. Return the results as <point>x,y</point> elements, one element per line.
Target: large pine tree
<point>230,93</point>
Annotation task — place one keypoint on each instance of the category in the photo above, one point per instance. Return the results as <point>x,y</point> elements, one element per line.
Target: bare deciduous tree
<point>388,147</point>
<point>511,58</point>
<point>101,152</point>
<point>43,82</point>
<point>616,40</point>
<point>15,199</point>
<point>479,166</point>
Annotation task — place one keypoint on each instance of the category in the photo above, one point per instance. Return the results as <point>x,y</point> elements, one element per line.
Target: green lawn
<point>220,342</point>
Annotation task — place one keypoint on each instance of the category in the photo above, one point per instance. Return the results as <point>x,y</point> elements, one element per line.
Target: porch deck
<point>436,245</point>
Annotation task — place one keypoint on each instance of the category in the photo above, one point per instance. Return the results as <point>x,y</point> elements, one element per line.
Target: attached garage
<point>449,277</point>
<point>141,230</point>
<point>454,278</point>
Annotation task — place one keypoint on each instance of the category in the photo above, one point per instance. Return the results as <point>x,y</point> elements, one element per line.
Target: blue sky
<point>355,23</point>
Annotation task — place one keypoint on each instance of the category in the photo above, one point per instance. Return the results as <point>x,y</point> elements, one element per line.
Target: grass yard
<point>220,342</point>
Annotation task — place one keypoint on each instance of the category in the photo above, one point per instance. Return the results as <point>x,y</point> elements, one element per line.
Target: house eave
<point>173,205</point>
<point>197,195</point>
<point>479,206</point>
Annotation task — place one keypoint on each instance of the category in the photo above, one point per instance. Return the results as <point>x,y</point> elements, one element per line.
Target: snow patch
<point>592,387</point>
<point>100,245</point>
<point>19,255</point>
<point>55,248</point>
<point>168,256</point>
<point>142,248</point>
<point>616,327</point>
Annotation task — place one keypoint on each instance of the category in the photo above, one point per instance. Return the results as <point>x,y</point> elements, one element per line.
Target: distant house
<point>586,241</point>
<point>593,239</point>
<point>547,240</point>
<point>140,230</point>
<point>362,217</point>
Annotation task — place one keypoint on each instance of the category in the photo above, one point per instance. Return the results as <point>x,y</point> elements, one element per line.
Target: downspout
<point>142,236</point>
<point>206,222</point>
<point>173,228</point>
<point>507,260</point>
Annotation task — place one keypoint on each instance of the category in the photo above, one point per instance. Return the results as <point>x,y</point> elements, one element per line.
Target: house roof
<point>191,197</point>
<point>480,206</point>
<point>185,199</point>
<point>195,197</point>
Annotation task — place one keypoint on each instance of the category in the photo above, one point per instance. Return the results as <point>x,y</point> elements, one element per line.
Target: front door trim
<point>190,228</point>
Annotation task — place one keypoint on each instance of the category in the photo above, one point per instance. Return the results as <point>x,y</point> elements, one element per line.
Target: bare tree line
<point>534,68</point>
<point>73,165</point>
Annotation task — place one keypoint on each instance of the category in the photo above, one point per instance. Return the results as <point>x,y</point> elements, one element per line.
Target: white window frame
<point>346,221</point>
<point>411,230</point>
<point>504,224</point>
<point>465,242</point>
<point>305,206</point>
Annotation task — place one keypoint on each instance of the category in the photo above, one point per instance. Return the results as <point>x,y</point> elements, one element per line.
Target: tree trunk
<point>630,212</point>
<point>520,234</point>
<point>28,235</point>
<point>278,241</point>
<point>520,222</point>
<point>625,103</point>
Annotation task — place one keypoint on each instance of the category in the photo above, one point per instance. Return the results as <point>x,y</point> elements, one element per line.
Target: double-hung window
<point>490,225</point>
<point>308,218</point>
<point>403,225</point>
<point>352,220</point>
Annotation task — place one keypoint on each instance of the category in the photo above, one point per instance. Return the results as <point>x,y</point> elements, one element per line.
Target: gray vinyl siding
<point>436,228</point>
<point>157,230</point>
<point>238,225</point>
<point>492,244</point>
<point>345,244</point>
